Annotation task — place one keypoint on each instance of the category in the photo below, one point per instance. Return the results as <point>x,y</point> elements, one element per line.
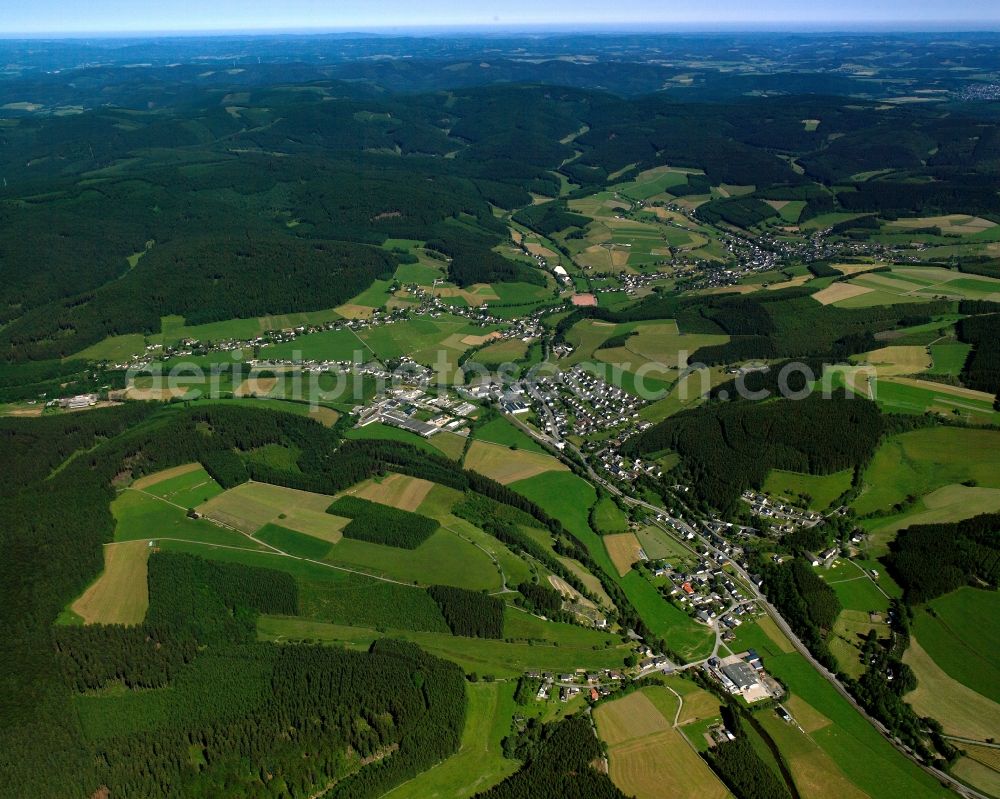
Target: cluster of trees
<point>743,212</point>
<point>929,560</point>
<point>740,767</point>
<point>469,613</point>
<point>558,761</point>
<point>807,603</point>
<point>551,217</point>
<point>982,368</point>
<point>730,447</point>
<point>541,599</point>
<point>383,524</point>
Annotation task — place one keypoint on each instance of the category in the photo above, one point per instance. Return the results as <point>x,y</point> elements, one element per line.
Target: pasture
<point>897,360</point>
<point>140,516</point>
<point>500,431</point>
<point>397,490</point>
<point>506,465</point>
<point>647,756</point>
<point>623,549</point>
<point>918,462</point>
<point>187,489</point>
<point>950,503</point>
<point>608,517</point>
<point>915,396</point>
<point>826,761</point>
<point>659,343</point>
<point>250,506</point>
<point>119,594</point>
<point>326,345</point>
<point>960,710</point>
<point>949,358</point>
<point>960,639</point>
<point>445,558</point>
<point>657,544</point>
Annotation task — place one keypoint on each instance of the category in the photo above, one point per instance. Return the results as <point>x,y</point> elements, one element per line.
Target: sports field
<point>119,594</point>
<point>506,465</point>
<point>647,756</point>
<point>623,549</point>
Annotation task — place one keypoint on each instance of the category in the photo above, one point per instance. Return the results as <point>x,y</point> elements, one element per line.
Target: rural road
<point>942,777</point>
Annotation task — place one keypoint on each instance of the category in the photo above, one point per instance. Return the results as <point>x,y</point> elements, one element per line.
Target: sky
<point>108,16</point>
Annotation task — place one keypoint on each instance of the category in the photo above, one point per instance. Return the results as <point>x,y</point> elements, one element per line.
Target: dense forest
<point>929,560</point>
<point>470,613</point>
<point>730,447</point>
<point>199,634</point>
<point>558,761</point>
<point>383,524</point>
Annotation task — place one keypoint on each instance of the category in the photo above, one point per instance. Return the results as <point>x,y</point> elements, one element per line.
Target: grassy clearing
<point>294,543</point>
<point>960,710</point>
<point>119,594</point>
<point>921,461</point>
<point>188,489</point>
<point>961,641</point>
<point>553,647</point>
<point>479,762</point>
<point>158,477</point>
<point>608,517</point>
<point>387,433</point>
<point>821,490</point>
<point>647,756</point>
<point>849,632</point>
<point>949,358</point>
<point>506,465</point>
<point>762,635</point>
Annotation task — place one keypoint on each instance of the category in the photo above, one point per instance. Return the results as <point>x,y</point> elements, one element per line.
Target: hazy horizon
<point>70,18</point>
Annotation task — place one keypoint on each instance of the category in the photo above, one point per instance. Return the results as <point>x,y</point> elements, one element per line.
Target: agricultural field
<point>908,284</point>
<point>916,396</point>
<point>140,516</point>
<point>118,595</point>
<point>960,641</point>
<point>648,756</point>
<point>250,506</point>
<point>399,491</point>
<point>840,754</point>
<point>960,710</point>
<point>421,337</point>
<point>921,461</point>
<point>950,503</point>
<point>659,343</point>
<point>623,549</point>
<point>506,465</point>
<point>816,492</point>
<point>501,431</point>
<point>327,345</point>
<point>377,430</point>
<point>949,358</point>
